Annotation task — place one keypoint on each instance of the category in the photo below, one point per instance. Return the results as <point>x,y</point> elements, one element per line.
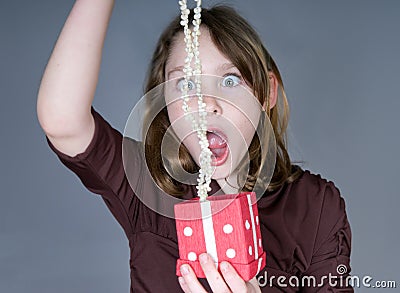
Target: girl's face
<point>233,112</point>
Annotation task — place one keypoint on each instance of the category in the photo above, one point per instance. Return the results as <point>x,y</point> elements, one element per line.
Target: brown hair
<point>239,42</point>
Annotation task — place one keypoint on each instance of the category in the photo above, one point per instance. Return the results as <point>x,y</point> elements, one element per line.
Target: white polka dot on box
<point>224,226</point>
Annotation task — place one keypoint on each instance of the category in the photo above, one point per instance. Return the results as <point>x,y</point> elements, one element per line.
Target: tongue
<point>218,152</point>
<point>215,141</point>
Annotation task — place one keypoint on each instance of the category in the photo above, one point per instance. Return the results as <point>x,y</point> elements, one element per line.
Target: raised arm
<point>70,78</point>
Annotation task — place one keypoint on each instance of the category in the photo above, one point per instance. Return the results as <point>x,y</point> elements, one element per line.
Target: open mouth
<point>218,147</point>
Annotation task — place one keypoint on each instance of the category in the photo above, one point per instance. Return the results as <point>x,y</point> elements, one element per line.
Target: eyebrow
<point>178,68</point>
<point>224,66</point>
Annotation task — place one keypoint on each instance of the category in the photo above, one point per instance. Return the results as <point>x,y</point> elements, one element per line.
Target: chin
<point>220,173</point>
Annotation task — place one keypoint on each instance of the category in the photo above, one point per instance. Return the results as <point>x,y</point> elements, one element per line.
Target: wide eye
<point>181,85</point>
<point>230,80</point>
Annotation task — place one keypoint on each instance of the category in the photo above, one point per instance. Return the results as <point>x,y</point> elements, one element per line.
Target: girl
<point>302,216</point>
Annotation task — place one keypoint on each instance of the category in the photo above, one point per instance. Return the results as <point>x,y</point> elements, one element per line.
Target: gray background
<point>340,63</point>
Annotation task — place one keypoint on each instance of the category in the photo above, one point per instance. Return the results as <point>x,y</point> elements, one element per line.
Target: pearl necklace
<point>192,50</point>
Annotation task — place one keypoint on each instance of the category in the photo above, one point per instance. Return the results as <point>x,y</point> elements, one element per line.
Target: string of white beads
<point>192,49</point>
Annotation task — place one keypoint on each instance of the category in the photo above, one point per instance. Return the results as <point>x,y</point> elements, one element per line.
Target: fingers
<point>229,281</point>
<point>253,285</point>
<point>214,278</point>
<point>183,284</point>
<point>189,281</point>
<point>232,278</point>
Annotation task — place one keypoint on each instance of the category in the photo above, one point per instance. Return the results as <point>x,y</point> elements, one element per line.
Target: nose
<point>212,104</point>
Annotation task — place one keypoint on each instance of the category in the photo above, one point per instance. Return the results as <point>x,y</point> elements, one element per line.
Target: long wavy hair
<point>238,41</point>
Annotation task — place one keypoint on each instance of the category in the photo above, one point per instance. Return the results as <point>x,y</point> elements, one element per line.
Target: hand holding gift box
<point>226,227</point>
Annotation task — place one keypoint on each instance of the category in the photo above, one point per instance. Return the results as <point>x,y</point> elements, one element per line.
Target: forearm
<point>70,78</point>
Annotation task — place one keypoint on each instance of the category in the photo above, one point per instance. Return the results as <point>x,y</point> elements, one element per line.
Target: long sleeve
<point>330,263</point>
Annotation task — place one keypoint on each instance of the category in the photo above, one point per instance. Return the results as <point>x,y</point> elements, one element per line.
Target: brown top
<point>304,226</point>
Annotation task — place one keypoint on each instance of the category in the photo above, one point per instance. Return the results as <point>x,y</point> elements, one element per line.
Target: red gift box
<point>226,227</point>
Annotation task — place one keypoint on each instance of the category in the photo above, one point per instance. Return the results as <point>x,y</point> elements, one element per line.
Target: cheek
<point>175,113</point>
<point>179,124</point>
<point>247,130</point>
<point>246,126</point>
